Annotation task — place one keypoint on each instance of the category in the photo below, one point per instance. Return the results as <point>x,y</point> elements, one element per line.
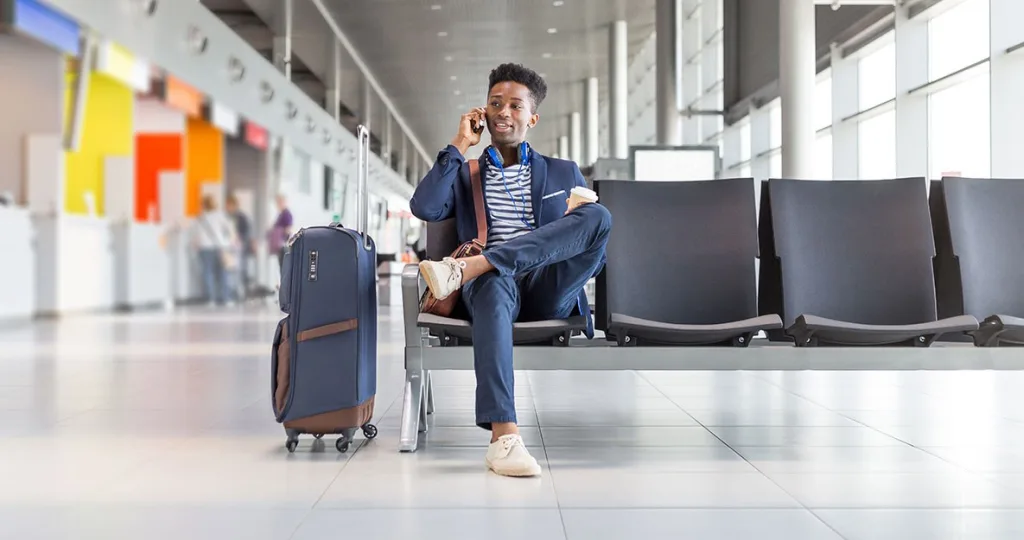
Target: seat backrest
<point>986,230</point>
<point>681,252</point>
<point>769,276</point>
<point>948,289</point>
<point>442,239</point>
<point>857,251</point>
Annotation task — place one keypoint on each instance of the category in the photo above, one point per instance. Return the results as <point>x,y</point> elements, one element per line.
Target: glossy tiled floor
<point>158,425</point>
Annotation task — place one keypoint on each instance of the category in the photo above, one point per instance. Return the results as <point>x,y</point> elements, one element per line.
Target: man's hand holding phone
<point>470,128</point>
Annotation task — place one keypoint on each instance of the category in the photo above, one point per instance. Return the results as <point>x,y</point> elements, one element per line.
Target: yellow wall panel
<point>204,161</point>
<point>107,131</point>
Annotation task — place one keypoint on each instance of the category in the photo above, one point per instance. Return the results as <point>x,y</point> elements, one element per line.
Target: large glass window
<point>823,156</point>
<point>877,74</point>
<point>959,140</point>
<point>775,165</point>
<point>823,103</point>
<point>958,38</point>
<point>775,123</point>
<point>745,142</point>
<point>876,139</point>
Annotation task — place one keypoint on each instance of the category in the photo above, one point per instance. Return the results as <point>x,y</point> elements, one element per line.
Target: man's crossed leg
<point>537,276</point>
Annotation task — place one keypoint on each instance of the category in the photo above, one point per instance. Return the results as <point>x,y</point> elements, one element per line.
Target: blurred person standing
<point>214,240</point>
<point>247,245</point>
<point>281,231</point>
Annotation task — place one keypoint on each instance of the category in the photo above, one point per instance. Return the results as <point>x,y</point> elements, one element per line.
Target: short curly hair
<point>525,76</point>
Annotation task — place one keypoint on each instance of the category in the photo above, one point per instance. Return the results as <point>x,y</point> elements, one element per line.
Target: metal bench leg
<point>412,411</point>
<point>430,394</point>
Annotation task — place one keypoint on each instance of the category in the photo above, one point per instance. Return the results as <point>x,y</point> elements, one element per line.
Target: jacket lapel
<point>539,180</point>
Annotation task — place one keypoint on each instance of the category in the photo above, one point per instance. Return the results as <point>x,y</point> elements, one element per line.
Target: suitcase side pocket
<point>280,368</point>
<point>284,294</point>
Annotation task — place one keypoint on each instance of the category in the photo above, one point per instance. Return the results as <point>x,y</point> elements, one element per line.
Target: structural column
<point>563,147</point>
<point>591,122</point>
<point>618,95</point>
<point>1006,72</point>
<point>797,69</point>
<point>367,104</point>
<point>575,136</point>
<point>282,44</point>
<point>667,70</point>
<point>332,97</point>
<point>386,147</point>
<point>403,157</point>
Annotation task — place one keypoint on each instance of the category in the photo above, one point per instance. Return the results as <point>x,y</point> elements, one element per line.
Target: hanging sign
<point>36,20</point>
<point>256,136</point>
<point>183,97</point>
<point>119,63</point>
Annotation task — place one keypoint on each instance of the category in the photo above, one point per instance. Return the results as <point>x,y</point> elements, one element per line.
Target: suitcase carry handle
<point>362,175</point>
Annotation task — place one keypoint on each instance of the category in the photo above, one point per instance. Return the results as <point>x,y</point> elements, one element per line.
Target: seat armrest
<point>411,291</point>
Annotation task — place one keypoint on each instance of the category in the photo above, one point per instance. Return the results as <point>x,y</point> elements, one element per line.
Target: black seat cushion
<point>460,332</point>
<point>661,333</point>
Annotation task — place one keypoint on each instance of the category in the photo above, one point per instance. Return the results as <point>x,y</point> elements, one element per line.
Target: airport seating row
<point>900,262</point>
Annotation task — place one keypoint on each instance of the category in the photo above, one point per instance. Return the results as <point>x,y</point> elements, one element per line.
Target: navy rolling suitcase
<point>324,357</point>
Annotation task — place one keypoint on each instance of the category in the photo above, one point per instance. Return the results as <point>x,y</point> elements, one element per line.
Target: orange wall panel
<point>154,152</point>
<point>204,161</point>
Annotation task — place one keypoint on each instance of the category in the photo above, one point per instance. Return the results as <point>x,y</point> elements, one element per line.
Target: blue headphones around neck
<point>525,152</point>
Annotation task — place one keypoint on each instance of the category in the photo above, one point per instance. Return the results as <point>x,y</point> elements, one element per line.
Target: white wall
<point>152,116</point>
<point>31,99</point>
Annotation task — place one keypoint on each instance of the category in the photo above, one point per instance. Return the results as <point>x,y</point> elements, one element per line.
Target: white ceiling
<point>400,43</point>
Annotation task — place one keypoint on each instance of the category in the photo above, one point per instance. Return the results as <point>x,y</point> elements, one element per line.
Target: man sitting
<point>539,254</point>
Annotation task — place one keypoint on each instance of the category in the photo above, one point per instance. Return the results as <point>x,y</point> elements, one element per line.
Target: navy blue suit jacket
<point>445,192</point>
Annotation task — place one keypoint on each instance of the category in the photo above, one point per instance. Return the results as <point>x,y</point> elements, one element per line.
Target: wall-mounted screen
<point>674,163</point>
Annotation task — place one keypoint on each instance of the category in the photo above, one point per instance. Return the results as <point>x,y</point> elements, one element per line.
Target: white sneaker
<point>508,457</point>
<point>443,278</point>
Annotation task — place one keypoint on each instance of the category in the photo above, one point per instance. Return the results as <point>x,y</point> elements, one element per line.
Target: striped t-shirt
<point>508,213</point>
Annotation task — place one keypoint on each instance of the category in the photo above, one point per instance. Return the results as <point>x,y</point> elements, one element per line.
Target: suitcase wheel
<point>291,445</point>
<point>318,436</point>
<point>369,431</point>
<point>342,444</point>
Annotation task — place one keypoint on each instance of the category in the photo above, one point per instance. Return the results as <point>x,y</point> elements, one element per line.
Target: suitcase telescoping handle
<point>362,176</point>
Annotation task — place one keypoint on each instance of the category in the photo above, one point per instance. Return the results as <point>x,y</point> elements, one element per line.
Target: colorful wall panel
<point>183,97</point>
<point>154,152</point>
<point>204,161</point>
<point>108,130</point>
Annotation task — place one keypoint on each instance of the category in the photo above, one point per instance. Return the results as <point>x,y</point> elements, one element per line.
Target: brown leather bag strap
<point>328,329</point>
<point>478,202</point>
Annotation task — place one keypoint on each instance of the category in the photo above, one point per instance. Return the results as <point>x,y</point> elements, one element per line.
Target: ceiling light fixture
<point>442,34</point>
<point>558,3</point>
<point>447,58</point>
<point>435,7</point>
<point>458,92</point>
<point>453,77</point>
<point>546,55</point>
<point>552,30</point>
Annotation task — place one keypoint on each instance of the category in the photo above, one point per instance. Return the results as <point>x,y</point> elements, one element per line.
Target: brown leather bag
<point>444,308</point>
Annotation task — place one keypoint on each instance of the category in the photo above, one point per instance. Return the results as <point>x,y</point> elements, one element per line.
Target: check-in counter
<point>17,264</point>
<point>74,263</point>
<point>184,277</point>
<point>142,274</point>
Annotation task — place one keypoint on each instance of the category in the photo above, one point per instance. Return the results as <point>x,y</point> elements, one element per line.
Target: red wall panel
<point>154,152</point>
